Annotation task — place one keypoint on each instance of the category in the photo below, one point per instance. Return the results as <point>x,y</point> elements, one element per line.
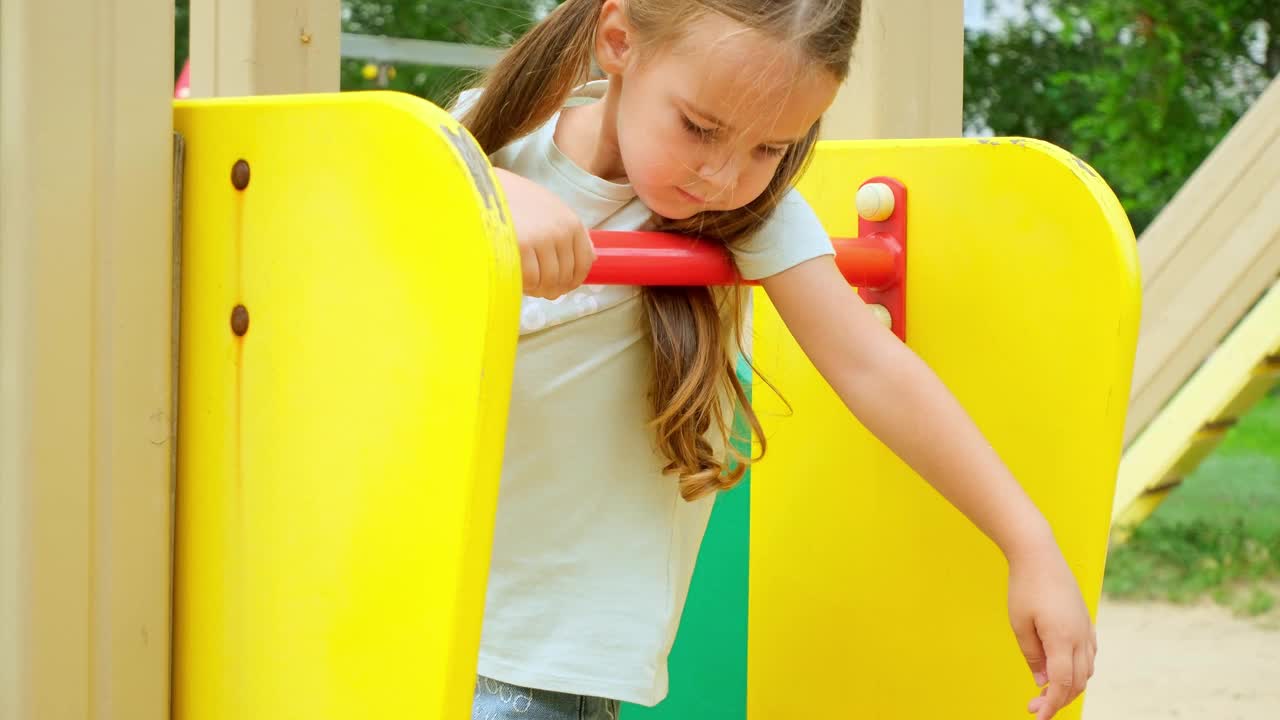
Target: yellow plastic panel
<point>338,464</point>
<point>870,596</point>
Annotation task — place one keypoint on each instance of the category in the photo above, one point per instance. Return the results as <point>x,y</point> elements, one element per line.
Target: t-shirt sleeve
<point>792,235</point>
<point>465,100</point>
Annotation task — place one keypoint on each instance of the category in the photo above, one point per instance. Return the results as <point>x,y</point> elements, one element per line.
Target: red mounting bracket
<point>881,205</point>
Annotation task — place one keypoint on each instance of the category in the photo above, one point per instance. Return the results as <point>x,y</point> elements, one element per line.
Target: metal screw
<point>240,320</point>
<point>305,38</point>
<point>240,175</point>
<point>875,202</point>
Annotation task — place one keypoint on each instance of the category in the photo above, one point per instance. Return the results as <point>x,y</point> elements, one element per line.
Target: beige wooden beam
<point>1207,257</point>
<point>908,73</point>
<point>264,47</point>
<point>1239,373</point>
<point>85,423</point>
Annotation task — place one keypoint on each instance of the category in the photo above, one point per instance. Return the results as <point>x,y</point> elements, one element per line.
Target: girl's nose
<point>719,173</point>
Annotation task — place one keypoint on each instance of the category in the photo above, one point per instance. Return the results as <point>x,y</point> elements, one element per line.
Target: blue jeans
<point>497,700</point>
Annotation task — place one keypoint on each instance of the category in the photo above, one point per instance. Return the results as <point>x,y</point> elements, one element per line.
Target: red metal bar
<point>875,262</point>
<point>650,258</point>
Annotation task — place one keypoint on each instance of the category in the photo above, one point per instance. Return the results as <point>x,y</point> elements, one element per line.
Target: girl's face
<point>703,124</point>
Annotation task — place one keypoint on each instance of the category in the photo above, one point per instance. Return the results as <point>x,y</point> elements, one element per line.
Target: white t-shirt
<point>594,548</point>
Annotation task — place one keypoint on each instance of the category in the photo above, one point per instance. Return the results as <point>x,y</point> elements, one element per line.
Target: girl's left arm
<point>899,399</point>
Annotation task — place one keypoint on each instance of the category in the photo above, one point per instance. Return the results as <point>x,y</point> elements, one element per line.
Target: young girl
<point>623,396</point>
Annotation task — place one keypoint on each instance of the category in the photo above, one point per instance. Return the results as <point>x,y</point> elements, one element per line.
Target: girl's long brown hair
<point>693,361</point>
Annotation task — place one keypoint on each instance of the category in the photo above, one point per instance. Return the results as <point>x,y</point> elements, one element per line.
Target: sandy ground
<point>1199,663</point>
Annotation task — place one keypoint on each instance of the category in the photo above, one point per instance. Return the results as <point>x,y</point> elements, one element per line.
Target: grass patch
<point>1218,535</point>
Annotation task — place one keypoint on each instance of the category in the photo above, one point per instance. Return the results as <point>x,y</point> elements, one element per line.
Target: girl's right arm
<point>555,248</point>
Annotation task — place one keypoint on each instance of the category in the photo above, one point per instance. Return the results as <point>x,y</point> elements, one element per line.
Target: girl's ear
<point>614,46</point>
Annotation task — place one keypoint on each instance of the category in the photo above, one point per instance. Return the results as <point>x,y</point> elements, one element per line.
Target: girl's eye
<point>774,150</point>
<point>703,134</point>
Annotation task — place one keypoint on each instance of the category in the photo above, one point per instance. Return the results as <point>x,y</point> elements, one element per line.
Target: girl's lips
<point>691,197</point>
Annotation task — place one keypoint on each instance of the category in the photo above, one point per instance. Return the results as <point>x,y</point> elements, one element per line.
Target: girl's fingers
<point>584,255</point>
<point>1083,669</point>
<point>1061,679</point>
<point>566,261</point>
<point>529,272</point>
<point>548,272</point>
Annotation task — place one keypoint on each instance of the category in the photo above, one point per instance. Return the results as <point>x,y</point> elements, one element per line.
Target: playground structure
<point>337,478</point>
<point>87,501</point>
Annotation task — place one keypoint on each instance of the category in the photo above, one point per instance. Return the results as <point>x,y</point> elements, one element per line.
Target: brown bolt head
<point>240,175</point>
<point>240,320</point>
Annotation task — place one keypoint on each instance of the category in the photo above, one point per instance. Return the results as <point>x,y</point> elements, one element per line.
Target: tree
<point>1142,89</point>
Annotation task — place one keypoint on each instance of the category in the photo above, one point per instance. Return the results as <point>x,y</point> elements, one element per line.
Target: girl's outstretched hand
<point>1053,628</point>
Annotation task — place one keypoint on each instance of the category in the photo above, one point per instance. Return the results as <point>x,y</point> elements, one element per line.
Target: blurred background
<point>1110,80</point>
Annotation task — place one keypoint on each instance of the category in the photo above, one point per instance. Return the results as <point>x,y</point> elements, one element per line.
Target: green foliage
<point>492,22</point>
<point>1142,89</point>
<point>181,35</point>
<point>1185,562</point>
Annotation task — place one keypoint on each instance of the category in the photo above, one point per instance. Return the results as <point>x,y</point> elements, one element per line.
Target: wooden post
<point>264,47</point>
<point>85,358</point>
<point>908,73</point>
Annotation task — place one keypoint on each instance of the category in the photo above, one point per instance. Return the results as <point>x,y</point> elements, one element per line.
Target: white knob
<point>875,202</point>
<point>882,314</point>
